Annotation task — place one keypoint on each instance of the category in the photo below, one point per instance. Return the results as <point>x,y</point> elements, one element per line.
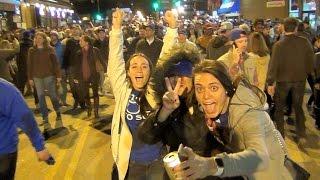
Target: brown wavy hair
<point>46,43</point>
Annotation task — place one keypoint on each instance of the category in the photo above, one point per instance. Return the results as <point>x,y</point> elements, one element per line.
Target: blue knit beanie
<point>182,68</point>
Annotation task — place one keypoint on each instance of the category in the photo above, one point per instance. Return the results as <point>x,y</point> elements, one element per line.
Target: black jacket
<point>133,45</point>
<point>103,47</point>
<point>291,61</point>
<point>152,51</point>
<point>181,127</point>
<point>25,45</point>
<point>70,53</point>
<point>93,56</point>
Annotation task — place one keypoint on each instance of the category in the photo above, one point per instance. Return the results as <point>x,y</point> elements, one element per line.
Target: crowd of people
<point>218,93</point>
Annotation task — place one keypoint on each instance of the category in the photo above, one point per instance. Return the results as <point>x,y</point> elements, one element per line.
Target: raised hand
<point>171,19</point>
<point>171,98</point>
<point>117,18</point>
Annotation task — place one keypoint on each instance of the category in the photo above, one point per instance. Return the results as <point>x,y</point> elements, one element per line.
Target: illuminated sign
<point>229,6</point>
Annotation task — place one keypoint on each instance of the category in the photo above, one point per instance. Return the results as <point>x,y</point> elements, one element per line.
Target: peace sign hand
<point>170,99</point>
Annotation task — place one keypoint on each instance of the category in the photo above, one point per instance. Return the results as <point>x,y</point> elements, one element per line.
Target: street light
<point>98,17</point>
<point>155,6</point>
<point>177,4</point>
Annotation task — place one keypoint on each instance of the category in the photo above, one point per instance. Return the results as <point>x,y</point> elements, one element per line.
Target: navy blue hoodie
<point>14,113</point>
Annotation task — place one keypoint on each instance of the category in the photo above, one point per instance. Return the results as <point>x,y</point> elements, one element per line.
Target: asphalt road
<point>82,149</point>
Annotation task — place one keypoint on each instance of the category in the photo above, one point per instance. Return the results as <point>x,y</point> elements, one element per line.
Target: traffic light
<point>177,3</point>
<point>98,17</point>
<point>155,6</point>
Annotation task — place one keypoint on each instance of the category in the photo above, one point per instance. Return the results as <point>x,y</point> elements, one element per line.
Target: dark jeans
<point>137,171</point>
<point>84,95</point>
<point>281,94</point>
<point>73,85</point>
<point>35,95</point>
<point>63,89</point>
<point>8,166</point>
<point>22,80</point>
<point>317,106</point>
<point>271,105</point>
<point>311,84</point>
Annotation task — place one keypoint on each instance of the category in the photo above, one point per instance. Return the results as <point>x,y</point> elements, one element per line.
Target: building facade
<point>267,9</point>
<point>10,17</point>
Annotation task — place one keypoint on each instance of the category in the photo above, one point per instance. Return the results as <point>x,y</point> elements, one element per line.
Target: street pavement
<point>82,149</point>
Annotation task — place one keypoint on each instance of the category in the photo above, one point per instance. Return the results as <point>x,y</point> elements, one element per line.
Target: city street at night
<point>82,151</point>
<point>160,89</point>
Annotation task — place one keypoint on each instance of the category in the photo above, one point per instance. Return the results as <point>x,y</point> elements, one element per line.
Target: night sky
<point>90,6</point>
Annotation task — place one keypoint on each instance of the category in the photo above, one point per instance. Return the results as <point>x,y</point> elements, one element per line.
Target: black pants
<point>317,106</point>
<point>281,94</point>
<point>83,90</point>
<point>8,166</point>
<point>311,84</point>
<point>73,86</point>
<point>22,80</point>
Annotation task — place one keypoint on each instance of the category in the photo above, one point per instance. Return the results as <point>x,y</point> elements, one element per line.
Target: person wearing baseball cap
<point>238,60</point>
<point>56,43</point>
<point>225,28</point>
<point>184,43</point>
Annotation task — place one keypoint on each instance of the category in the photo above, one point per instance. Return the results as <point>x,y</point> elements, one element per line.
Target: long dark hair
<point>257,45</point>
<point>218,70</point>
<point>142,100</point>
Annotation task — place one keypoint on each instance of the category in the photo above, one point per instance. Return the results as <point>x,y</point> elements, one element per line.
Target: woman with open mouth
<point>235,112</point>
<point>133,158</point>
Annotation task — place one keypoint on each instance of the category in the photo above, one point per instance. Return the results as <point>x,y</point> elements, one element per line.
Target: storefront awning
<point>229,6</point>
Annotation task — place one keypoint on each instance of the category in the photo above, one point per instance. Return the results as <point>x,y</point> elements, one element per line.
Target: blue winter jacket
<point>14,113</point>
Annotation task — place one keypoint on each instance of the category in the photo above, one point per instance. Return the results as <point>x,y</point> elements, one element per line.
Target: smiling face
<point>185,86</point>
<point>39,40</point>
<point>210,94</point>
<point>139,72</point>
